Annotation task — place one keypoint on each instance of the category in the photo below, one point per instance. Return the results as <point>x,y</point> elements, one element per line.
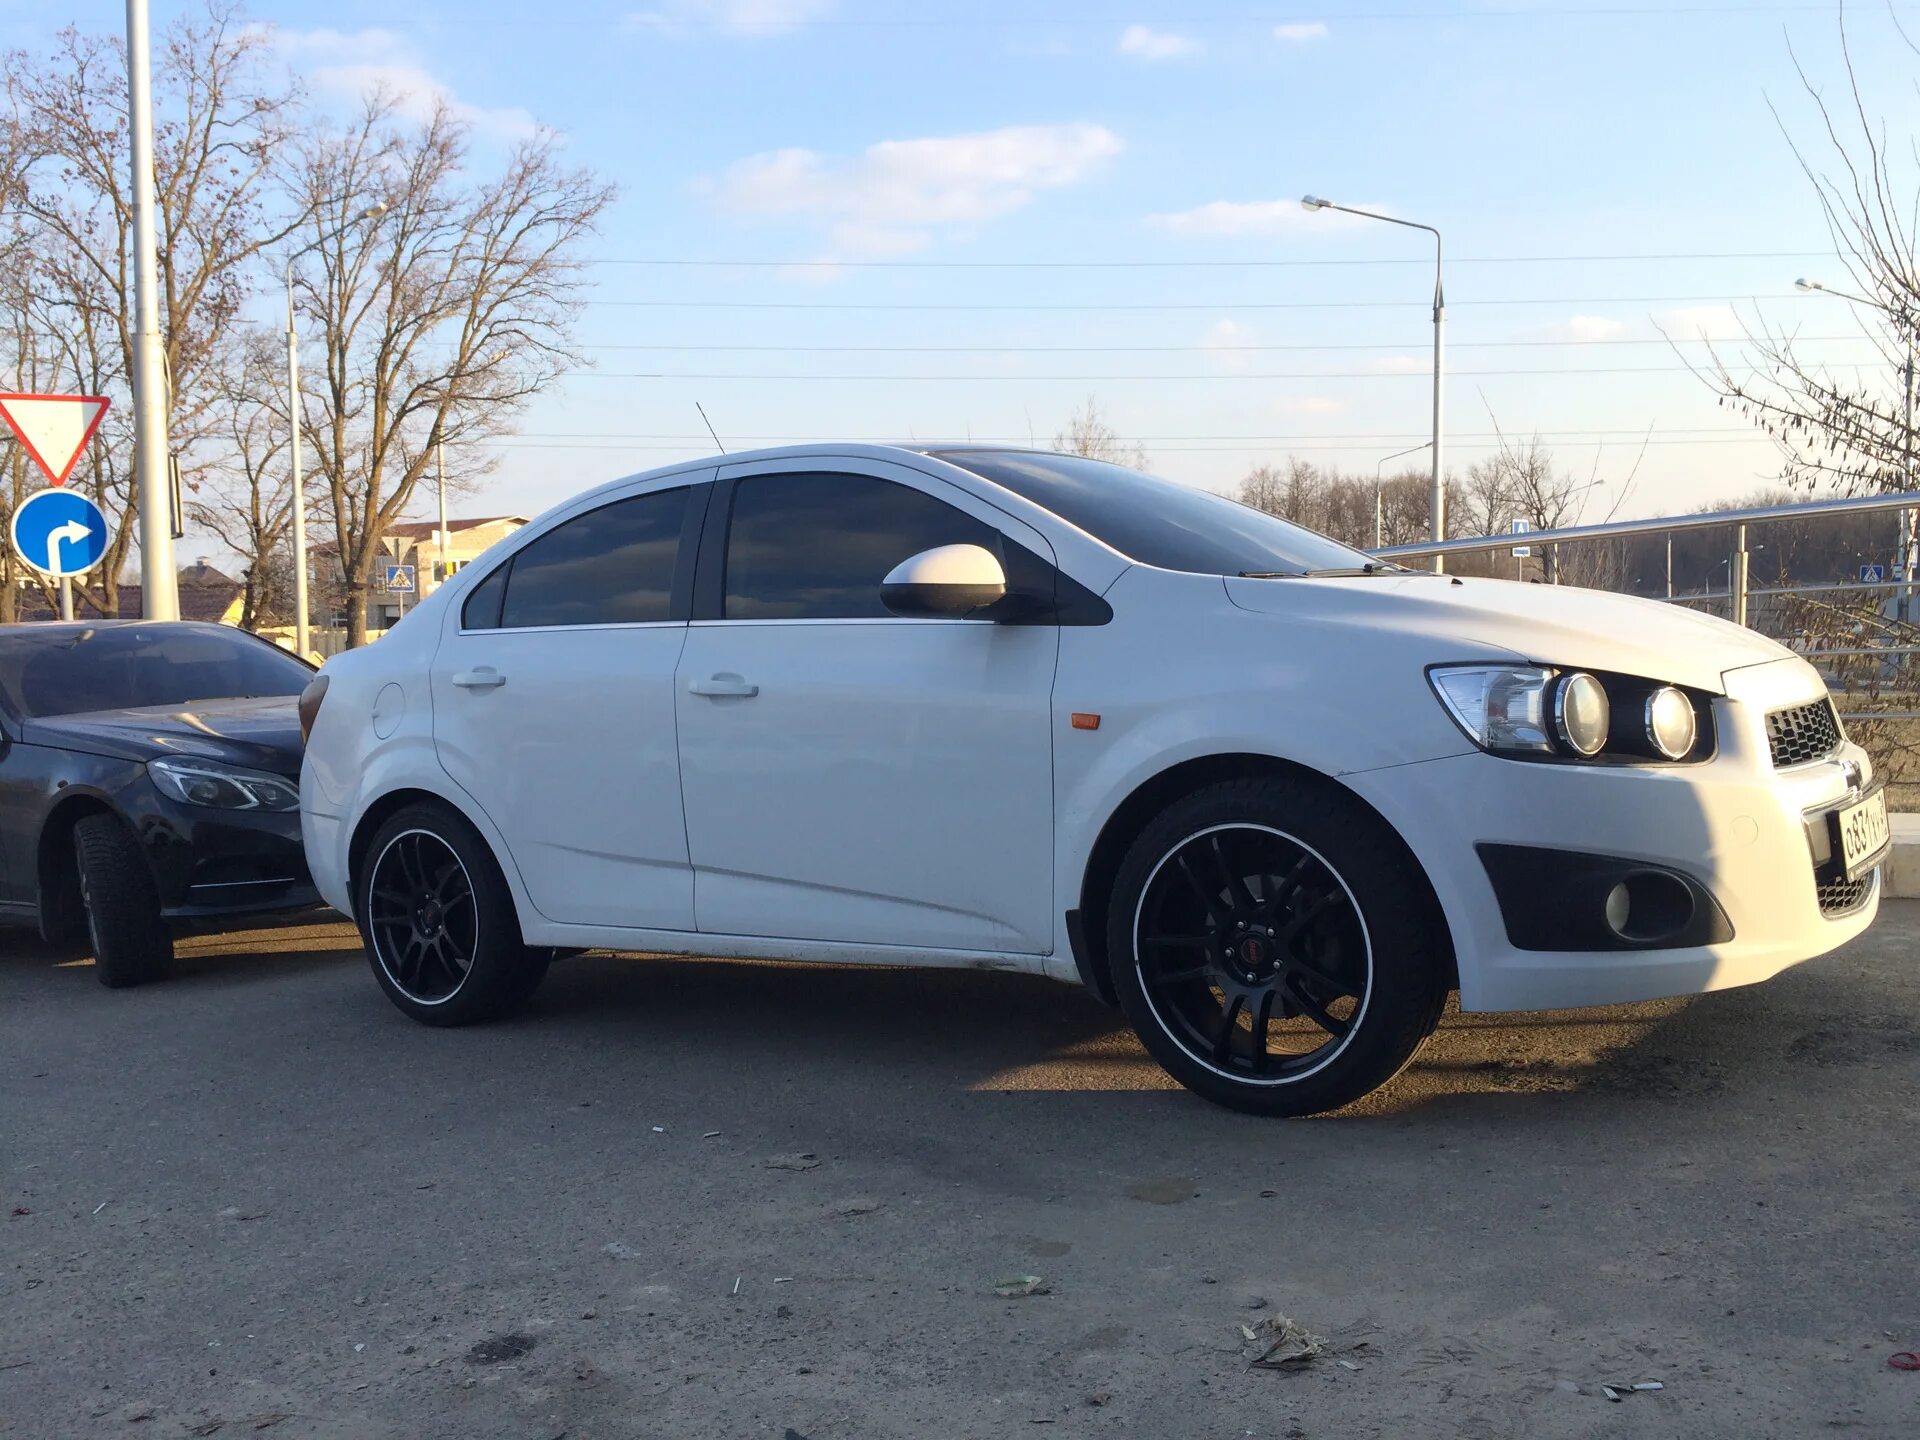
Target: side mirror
<point>948,582</point>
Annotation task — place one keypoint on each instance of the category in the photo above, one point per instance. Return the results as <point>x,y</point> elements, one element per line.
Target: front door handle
<point>724,684</point>
<point>485,678</point>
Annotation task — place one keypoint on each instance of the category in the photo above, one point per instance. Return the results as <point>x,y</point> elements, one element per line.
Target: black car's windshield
<point>1157,522</point>
<point>68,670</point>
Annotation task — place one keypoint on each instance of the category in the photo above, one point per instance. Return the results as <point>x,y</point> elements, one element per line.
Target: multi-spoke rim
<point>1243,928</point>
<point>422,917</point>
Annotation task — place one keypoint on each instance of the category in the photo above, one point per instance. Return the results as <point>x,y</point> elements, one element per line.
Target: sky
<point>943,219</point>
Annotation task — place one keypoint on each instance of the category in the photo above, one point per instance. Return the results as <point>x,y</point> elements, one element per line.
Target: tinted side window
<point>610,566</point>
<point>482,610</point>
<point>816,547</point>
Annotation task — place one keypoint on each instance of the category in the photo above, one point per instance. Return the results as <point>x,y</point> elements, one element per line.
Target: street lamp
<point>1909,540</point>
<point>301,637</point>
<point>1437,501</point>
<point>160,592</point>
<point>1378,471</point>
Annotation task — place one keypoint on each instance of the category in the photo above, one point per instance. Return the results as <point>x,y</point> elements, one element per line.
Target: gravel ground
<point>256,1200</point>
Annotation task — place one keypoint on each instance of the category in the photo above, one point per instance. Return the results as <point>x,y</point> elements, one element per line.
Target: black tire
<point>1319,918</point>
<point>451,954</point>
<point>131,942</point>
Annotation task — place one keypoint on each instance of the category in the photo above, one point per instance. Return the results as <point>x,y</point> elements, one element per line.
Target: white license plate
<point>1863,833</point>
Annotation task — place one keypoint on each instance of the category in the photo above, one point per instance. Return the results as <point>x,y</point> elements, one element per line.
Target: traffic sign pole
<point>66,599</point>
<point>160,593</point>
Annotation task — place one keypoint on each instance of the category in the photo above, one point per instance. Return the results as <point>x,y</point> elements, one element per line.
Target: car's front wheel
<point>131,942</point>
<point>1275,947</point>
<point>439,923</point>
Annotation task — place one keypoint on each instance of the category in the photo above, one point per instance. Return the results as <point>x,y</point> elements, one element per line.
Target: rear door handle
<point>725,684</point>
<point>485,678</point>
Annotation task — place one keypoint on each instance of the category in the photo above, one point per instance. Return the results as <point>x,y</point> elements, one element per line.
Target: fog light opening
<point>1649,906</point>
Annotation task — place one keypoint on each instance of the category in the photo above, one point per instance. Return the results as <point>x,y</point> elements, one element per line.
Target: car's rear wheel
<point>131,942</point>
<point>439,923</point>
<point>1275,947</point>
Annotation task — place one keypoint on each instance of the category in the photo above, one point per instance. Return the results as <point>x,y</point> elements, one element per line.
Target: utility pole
<point>1437,499</point>
<point>1908,548</point>
<point>160,591</point>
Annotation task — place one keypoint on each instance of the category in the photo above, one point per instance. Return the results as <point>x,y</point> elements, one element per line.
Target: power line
<point>1178,349</point>
<point>706,263</point>
<point>980,21</point>
<point>702,445</point>
<point>1242,375</point>
<point>1381,438</point>
<point>1213,305</point>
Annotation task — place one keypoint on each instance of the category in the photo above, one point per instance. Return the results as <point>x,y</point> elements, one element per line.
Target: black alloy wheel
<point>439,921</point>
<point>1252,953</point>
<point>422,916</point>
<point>1275,945</point>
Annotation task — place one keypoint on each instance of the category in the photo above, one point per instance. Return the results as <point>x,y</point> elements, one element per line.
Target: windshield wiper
<point>1332,572</point>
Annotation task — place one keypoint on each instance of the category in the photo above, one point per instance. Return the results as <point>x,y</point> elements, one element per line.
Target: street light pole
<point>1437,499</point>
<point>440,473</point>
<point>160,586</point>
<point>302,640</point>
<point>1378,470</point>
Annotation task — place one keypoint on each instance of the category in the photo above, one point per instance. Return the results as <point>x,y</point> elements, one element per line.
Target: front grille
<point>1840,897</point>
<point>1802,733</point>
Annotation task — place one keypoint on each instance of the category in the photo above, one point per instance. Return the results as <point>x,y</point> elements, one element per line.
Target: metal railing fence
<point>1901,637</point>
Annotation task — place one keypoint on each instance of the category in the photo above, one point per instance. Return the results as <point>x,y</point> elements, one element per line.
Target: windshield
<point>1157,522</point>
<point>69,670</point>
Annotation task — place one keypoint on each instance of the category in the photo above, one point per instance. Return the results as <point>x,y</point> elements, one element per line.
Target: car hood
<point>1548,624</point>
<point>261,733</point>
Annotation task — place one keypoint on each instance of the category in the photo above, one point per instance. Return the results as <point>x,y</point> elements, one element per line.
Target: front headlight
<point>222,787</point>
<point>1503,708</point>
<point>1533,711</point>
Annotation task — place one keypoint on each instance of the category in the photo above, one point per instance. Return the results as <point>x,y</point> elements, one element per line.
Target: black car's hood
<point>258,733</point>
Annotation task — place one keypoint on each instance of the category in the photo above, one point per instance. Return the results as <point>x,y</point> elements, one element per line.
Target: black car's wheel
<point>131,942</point>
<point>1275,948</point>
<point>439,922</point>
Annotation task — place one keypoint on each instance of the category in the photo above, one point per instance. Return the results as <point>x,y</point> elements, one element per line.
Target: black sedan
<point>149,773</point>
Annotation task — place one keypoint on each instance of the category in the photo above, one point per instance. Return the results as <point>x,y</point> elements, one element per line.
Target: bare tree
<point>243,493</point>
<point>441,321</point>
<point>222,120</point>
<point>1087,433</point>
<point>1847,429</point>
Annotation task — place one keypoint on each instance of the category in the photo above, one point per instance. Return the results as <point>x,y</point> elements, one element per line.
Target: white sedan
<point>1011,710</point>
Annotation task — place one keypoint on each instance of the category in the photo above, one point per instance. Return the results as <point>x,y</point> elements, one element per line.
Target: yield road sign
<point>1872,574</point>
<point>399,579</point>
<point>54,429</point>
<point>60,533</point>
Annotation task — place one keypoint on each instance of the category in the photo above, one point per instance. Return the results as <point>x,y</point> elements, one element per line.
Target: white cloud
<point>1695,322</point>
<point>1309,405</point>
<point>1253,217</point>
<point>352,65</point>
<point>891,197</point>
<point>1581,328</point>
<point>1145,43</point>
<point>1300,32</point>
<point>1228,340</point>
<point>746,18</point>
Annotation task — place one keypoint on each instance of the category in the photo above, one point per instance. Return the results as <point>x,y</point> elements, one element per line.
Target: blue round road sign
<point>59,533</point>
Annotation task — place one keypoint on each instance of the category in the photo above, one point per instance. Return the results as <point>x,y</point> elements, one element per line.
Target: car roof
<point>74,627</point>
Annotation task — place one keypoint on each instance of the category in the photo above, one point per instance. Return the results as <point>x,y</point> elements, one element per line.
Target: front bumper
<point>209,862</point>
<point>1733,824</point>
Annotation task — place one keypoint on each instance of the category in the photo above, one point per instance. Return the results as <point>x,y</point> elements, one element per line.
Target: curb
<point>1902,880</point>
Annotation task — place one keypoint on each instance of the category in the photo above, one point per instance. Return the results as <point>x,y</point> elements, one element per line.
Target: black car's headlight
<point>222,787</point>
<point>1537,712</point>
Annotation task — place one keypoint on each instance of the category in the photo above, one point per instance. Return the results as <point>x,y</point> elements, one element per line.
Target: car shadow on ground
<point>982,1032</point>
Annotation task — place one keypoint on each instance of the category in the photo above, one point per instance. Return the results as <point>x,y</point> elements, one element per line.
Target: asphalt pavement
<point>716,1199</point>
